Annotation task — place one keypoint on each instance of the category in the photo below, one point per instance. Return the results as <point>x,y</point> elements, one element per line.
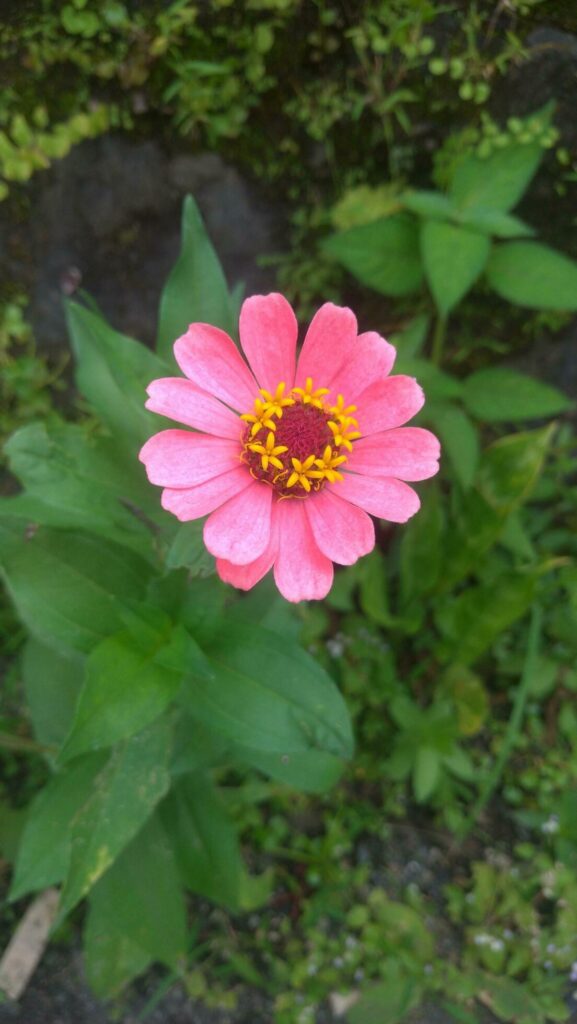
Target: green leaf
<point>437,384</point>
<point>497,183</point>
<point>421,551</point>
<point>388,1002</point>
<point>411,340</point>
<point>128,685</point>
<point>44,851</point>
<point>472,621</point>
<point>511,1000</point>
<point>428,204</point>
<point>266,694</point>
<point>508,471</point>
<point>311,771</point>
<point>494,222</point>
<point>112,372</point>
<point>497,394</point>
<point>196,289</point>
<point>204,840</point>
<point>111,958</point>
<point>460,439</point>
<point>69,588</point>
<point>532,275</point>
<point>141,896</point>
<point>454,257</point>
<point>426,773</point>
<point>384,254</point>
<point>77,482</point>
<point>188,551</point>
<point>52,683</point>
<point>124,796</point>
<point>511,466</point>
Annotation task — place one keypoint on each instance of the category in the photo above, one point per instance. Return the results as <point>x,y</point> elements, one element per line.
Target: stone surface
<point>107,219</point>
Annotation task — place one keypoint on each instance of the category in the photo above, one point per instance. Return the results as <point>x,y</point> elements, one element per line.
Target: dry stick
<point>514,726</point>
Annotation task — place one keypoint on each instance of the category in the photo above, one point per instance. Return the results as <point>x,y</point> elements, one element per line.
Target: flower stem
<point>514,727</point>
<point>439,336</point>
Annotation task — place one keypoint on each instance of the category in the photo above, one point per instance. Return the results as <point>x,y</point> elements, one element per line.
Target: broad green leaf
<point>454,258</point>
<point>311,771</point>
<point>52,683</point>
<point>533,275</point>
<point>12,822</point>
<point>511,1000</point>
<point>69,588</point>
<point>426,773</point>
<point>437,384</point>
<point>383,255</point>
<point>266,694</point>
<point>497,394</point>
<point>389,1001</point>
<point>204,840</point>
<point>421,550</point>
<point>112,372</point>
<point>128,684</point>
<point>365,203</point>
<point>508,471</point>
<point>77,482</point>
<point>45,848</point>
<point>188,551</point>
<point>428,204</point>
<point>124,796</point>
<point>472,621</point>
<point>111,958</point>
<point>459,437</point>
<point>196,289</point>
<point>511,466</point>
<point>494,222</point>
<point>411,340</point>
<point>497,183</point>
<point>141,896</point>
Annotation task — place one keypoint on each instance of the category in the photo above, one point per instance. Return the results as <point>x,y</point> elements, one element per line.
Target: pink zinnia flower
<point>290,458</point>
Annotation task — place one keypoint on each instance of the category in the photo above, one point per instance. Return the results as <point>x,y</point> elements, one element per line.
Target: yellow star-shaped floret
<point>260,418</point>
<point>277,402</point>
<point>339,409</point>
<point>269,452</point>
<point>301,473</point>
<point>310,395</point>
<point>327,466</point>
<point>342,433</point>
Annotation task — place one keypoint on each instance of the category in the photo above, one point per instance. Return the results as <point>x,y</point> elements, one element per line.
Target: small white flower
<point>551,826</point>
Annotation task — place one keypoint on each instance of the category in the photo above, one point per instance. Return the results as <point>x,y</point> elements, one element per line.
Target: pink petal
<point>342,531</point>
<point>239,531</point>
<point>246,576</point>
<point>382,497</point>
<point>179,399</point>
<point>388,404</point>
<point>179,458</point>
<point>212,361</point>
<point>194,502</point>
<point>370,361</point>
<point>268,335</point>
<point>328,344</point>
<point>408,453</point>
<point>301,571</point>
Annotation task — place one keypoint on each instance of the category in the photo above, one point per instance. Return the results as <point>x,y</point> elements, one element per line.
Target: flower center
<point>295,442</point>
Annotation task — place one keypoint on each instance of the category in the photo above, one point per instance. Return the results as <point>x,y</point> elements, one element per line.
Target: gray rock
<point>107,218</point>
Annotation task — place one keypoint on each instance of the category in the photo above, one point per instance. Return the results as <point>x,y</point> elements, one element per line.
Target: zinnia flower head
<point>289,457</point>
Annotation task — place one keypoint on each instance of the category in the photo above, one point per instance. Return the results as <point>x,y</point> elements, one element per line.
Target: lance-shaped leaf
<point>533,275</point>
<point>454,258</point>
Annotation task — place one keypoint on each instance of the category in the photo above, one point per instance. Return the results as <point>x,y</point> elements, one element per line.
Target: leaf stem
<point>439,336</point>
<point>514,727</point>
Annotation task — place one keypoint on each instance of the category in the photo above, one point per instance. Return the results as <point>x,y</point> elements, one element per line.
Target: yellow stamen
<point>339,409</point>
<point>276,403</point>
<point>309,396</point>
<point>269,452</point>
<point>327,466</point>
<point>301,473</point>
<point>342,435</point>
<point>260,418</point>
